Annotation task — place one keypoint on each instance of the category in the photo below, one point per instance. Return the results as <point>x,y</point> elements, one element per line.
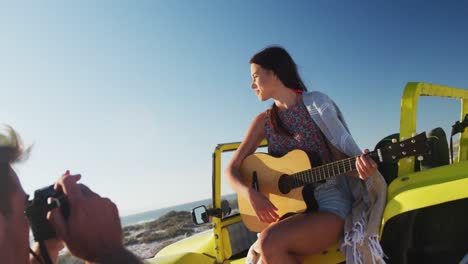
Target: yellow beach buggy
<point>425,218</point>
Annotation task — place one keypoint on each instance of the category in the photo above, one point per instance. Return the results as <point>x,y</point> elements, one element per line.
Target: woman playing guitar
<point>289,125</point>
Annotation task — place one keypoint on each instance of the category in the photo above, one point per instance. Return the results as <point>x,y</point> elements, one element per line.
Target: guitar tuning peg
<point>394,140</point>
<point>420,158</point>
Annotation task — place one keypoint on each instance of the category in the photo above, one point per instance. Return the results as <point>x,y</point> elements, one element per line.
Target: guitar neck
<point>326,171</point>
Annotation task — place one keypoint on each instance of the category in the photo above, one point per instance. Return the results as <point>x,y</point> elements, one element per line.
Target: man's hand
<point>92,230</point>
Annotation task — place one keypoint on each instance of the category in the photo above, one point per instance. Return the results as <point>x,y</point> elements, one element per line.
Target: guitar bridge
<point>255,181</point>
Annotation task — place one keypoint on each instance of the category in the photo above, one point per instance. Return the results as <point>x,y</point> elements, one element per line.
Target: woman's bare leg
<point>293,238</point>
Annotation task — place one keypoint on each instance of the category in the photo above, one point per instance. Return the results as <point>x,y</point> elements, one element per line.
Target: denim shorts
<point>334,198</point>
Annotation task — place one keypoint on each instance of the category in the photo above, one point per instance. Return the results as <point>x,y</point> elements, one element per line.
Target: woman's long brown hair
<point>278,60</point>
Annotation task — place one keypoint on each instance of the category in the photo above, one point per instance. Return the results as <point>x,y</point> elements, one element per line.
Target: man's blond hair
<point>11,151</point>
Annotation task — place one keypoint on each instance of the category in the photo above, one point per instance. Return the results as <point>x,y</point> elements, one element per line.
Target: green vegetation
<point>172,224</point>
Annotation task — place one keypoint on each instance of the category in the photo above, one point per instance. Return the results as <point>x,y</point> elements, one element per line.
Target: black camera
<point>37,209</point>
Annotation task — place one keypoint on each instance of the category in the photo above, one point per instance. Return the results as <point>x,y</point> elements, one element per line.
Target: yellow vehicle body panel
<point>426,188</point>
<point>199,248</point>
<point>183,258</point>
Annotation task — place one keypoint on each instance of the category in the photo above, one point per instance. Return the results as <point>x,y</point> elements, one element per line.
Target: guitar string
<point>322,172</point>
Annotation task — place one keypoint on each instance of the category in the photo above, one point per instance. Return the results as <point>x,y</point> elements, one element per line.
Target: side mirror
<point>200,215</point>
<point>225,208</point>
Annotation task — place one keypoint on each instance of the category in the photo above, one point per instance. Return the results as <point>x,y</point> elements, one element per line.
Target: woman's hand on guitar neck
<point>265,210</point>
<point>365,166</point>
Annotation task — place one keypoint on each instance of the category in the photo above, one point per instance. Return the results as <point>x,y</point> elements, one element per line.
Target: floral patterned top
<point>306,135</point>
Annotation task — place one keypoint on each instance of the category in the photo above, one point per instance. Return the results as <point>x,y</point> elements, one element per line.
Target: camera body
<point>45,199</point>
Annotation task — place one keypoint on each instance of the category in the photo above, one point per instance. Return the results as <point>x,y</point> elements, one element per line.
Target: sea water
<point>155,214</point>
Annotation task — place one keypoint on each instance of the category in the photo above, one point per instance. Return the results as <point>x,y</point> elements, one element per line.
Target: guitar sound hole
<point>284,184</point>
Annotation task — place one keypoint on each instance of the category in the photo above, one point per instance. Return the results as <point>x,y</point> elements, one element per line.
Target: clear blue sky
<point>135,95</point>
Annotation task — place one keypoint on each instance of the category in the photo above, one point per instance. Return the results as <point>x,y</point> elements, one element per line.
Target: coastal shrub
<point>130,241</point>
<point>132,228</point>
<point>151,237</point>
<point>171,232</point>
<point>173,224</point>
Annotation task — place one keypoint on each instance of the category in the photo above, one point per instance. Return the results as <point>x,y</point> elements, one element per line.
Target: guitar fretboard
<point>324,172</point>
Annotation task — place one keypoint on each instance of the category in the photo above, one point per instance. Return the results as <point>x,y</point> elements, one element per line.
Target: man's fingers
<point>58,223</point>
<point>68,184</point>
<point>57,186</point>
<point>76,177</point>
<point>86,191</point>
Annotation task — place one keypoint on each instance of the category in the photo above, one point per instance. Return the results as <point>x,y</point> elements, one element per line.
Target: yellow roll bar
<point>409,105</point>
<point>218,224</point>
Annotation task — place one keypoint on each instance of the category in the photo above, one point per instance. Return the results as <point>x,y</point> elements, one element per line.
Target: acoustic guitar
<point>282,179</point>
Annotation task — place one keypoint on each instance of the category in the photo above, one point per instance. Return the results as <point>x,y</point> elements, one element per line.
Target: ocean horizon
<point>152,215</point>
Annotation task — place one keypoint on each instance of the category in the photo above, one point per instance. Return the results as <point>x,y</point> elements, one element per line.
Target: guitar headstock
<point>414,146</point>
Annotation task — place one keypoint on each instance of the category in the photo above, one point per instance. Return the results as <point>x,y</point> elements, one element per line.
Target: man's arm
<point>92,231</point>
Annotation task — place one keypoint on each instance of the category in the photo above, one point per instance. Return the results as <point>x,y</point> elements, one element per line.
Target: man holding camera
<point>92,230</point>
